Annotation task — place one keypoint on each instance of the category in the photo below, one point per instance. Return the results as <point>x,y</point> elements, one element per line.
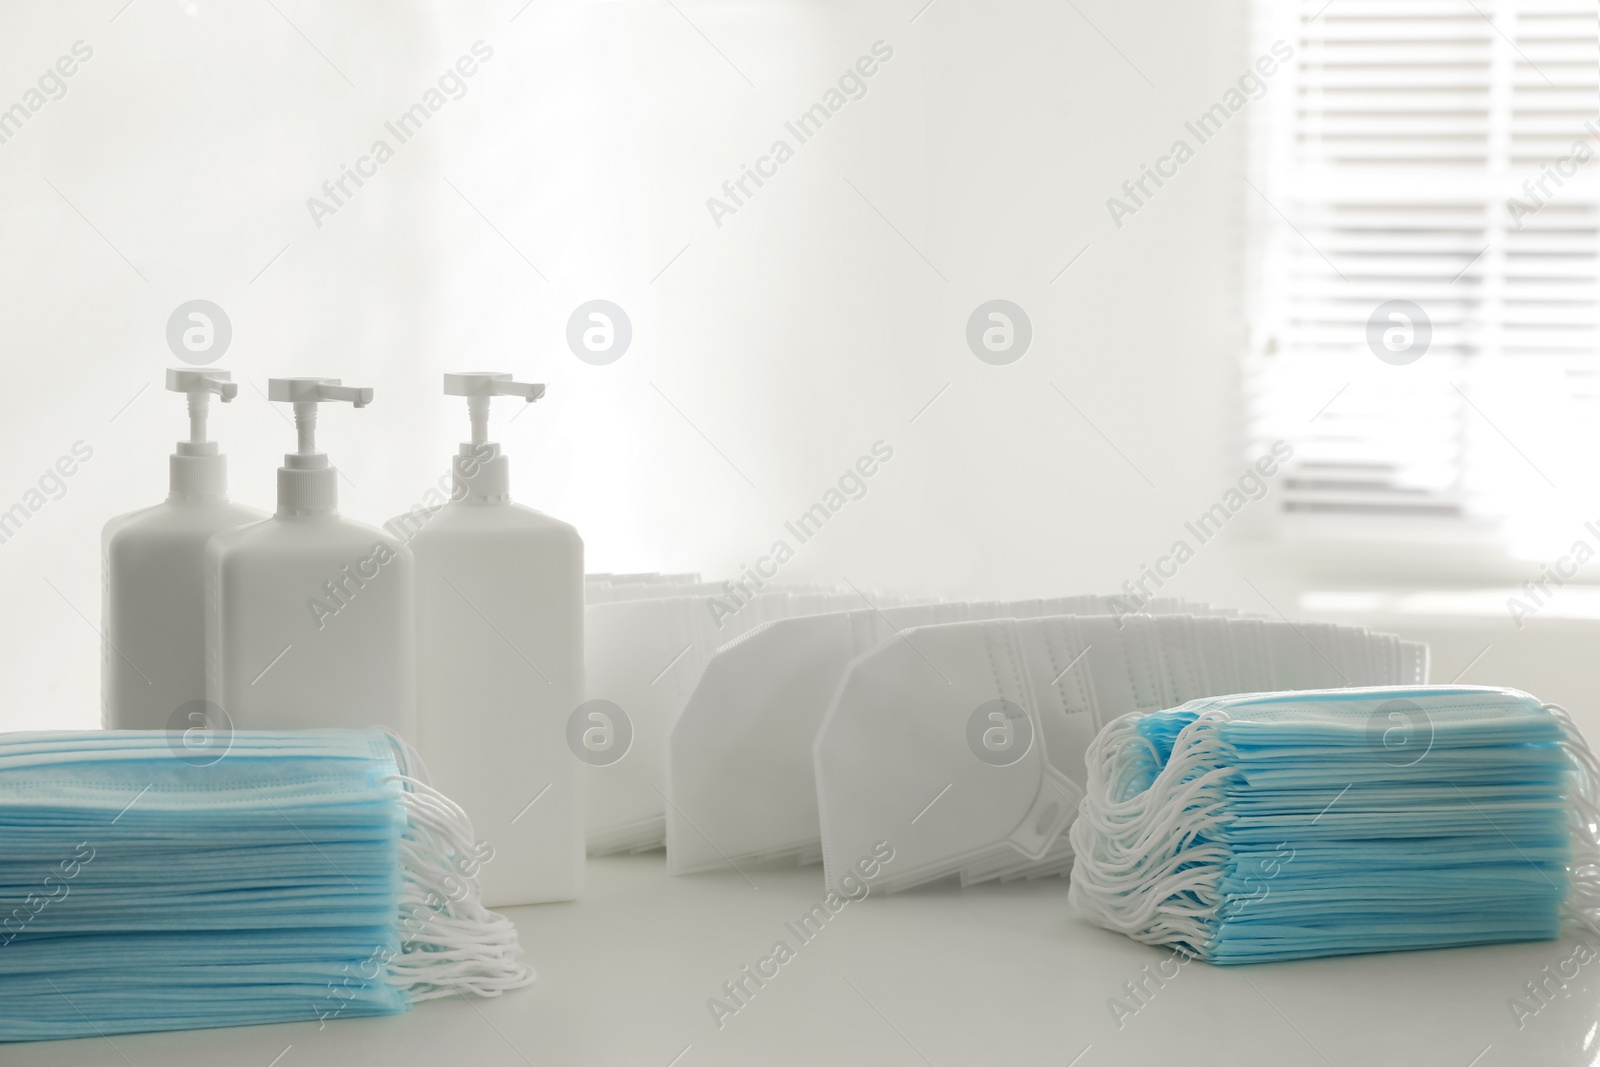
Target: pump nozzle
<point>480,471</point>
<point>305,394</point>
<point>305,481</point>
<point>199,385</point>
<point>198,471</point>
<point>478,387</point>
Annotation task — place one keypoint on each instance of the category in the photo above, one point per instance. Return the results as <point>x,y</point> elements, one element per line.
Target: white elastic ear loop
<point>1138,869</point>
<point>1583,898</point>
<point>450,943</point>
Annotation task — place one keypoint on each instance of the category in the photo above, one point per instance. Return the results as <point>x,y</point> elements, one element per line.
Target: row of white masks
<point>741,771</point>
<point>739,756</point>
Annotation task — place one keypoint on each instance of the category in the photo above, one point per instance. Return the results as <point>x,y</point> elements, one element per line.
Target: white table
<point>941,976</point>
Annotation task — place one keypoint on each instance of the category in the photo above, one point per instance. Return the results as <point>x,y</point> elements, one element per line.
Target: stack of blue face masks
<point>150,884</point>
<point>1283,825</point>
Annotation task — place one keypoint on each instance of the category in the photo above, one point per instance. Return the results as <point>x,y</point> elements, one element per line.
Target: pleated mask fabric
<point>270,877</point>
<point>1286,825</point>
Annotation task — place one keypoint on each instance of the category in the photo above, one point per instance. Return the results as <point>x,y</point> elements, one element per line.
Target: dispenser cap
<point>197,469</point>
<point>306,481</point>
<point>480,472</point>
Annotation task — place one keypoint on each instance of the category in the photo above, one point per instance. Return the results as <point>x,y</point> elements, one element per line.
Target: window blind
<point>1440,154</point>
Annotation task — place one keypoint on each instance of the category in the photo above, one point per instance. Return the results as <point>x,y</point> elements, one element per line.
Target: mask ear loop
<point>1583,898</point>
<point>449,942</point>
<point>1147,862</point>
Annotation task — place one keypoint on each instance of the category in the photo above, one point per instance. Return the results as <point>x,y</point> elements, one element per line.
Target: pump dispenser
<point>307,483</point>
<point>197,468</point>
<point>500,661</point>
<point>152,672</point>
<point>481,473</point>
<point>308,614</point>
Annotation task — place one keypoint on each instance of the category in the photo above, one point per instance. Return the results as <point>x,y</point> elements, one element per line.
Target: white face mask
<point>739,755</point>
<point>642,658</point>
<point>936,737</point>
<point>903,712</point>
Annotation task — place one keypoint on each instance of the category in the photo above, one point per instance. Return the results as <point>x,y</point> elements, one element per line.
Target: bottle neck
<point>197,472</point>
<point>480,474</point>
<point>308,486</point>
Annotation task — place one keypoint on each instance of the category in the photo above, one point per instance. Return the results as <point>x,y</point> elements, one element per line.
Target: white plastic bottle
<point>500,662</point>
<point>308,614</point>
<point>152,607</point>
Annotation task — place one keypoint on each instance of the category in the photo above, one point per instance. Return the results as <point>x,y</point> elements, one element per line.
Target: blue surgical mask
<point>1282,825</point>
<point>263,877</point>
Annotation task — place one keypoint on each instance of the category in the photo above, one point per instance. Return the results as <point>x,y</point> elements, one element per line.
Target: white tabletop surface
<point>997,974</point>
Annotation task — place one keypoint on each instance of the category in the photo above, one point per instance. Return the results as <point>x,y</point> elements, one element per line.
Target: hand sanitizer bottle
<point>308,614</point>
<point>500,662</point>
<point>152,609</point>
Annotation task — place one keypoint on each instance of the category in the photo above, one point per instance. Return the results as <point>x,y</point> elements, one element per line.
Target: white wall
<point>793,337</point>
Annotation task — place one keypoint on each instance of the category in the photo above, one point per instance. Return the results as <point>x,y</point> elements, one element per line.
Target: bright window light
<point>1424,319</point>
